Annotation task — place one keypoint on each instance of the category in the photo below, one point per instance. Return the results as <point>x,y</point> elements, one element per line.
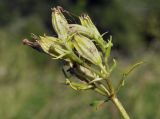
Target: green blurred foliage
<point>30,82</point>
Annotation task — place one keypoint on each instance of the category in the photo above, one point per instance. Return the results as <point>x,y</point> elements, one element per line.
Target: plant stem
<point>121,109</point>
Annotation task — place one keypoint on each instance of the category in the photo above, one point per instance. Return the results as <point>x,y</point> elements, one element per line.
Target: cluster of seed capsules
<point>83,50</point>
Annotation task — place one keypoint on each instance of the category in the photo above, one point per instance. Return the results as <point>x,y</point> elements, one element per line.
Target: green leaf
<point>97,104</point>
<point>113,66</point>
<point>125,74</point>
<point>108,49</point>
<point>96,80</point>
<point>61,56</point>
<point>78,86</point>
<point>104,33</point>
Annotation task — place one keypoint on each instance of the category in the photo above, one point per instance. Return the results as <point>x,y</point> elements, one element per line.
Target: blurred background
<point>30,82</point>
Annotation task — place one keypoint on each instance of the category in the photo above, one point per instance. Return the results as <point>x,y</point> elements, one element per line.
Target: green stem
<point>119,106</point>
<point>100,91</point>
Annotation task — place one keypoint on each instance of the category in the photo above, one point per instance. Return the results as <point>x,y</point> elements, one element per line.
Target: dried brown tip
<point>59,9</point>
<point>35,45</point>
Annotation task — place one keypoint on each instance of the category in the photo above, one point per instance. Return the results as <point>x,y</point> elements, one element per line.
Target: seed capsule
<point>87,22</point>
<point>86,48</point>
<point>46,42</point>
<point>59,23</point>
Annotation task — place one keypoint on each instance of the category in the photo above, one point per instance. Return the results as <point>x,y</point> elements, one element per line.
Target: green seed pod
<point>60,23</point>
<point>59,51</point>
<point>88,32</point>
<point>86,72</point>
<point>45,42</point>
<point>52,46</point>
<point>76,28</point>
<point>87,22</point>
<point>86,48</point>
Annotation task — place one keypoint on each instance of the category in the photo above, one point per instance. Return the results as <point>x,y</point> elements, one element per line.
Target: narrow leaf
<point>113,66</point>
<point>108,48</point>
<point>124,75</point>
<point>97,104</point>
